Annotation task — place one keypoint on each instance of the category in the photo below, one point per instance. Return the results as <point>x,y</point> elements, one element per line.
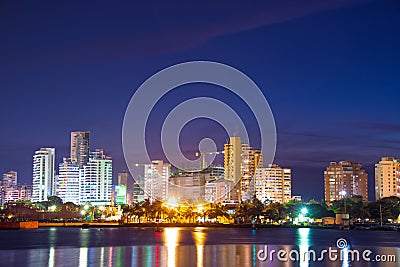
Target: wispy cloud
<point>172,28</point>
<point>377,126</point>
<point>235,18</point>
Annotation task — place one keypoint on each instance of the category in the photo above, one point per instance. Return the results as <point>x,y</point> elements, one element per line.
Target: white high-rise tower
<point>43,185</point>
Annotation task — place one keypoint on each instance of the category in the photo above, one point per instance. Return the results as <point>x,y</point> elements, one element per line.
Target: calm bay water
<point>188,247</point>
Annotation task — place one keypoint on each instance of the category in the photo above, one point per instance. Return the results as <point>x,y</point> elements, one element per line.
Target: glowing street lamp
<point>301,218</point>
<point>304,211</point>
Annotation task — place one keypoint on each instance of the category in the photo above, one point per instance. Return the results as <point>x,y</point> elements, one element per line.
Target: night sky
<point>330,71</point>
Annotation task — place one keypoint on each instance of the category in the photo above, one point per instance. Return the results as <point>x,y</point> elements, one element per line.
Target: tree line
<point>257,212</point>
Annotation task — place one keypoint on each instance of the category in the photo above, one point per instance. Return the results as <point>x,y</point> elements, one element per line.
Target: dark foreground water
<point>197,247</point>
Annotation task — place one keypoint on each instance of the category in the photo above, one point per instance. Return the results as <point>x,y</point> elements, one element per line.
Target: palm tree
<point>243,212</point>
<point>136,210</point>
<point>274,211</point>
<point>257,208</point>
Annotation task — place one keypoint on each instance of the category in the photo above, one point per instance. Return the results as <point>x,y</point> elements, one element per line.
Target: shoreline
<point>86,225</point>
<point>161,225</point>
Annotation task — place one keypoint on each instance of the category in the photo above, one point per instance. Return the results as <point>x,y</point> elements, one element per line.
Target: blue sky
<point>329,69</point>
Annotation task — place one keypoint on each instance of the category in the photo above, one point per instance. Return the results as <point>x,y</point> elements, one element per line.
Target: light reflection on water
<point>170,249</point>
<point>303,246</point>
<point>199,238</point>
<point>171,237</point>
<point>204,255</point>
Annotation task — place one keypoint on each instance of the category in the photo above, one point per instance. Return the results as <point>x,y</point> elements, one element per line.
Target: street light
<point>304,211</point>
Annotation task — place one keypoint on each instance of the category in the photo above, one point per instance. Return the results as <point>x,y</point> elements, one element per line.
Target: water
<point>189,247</point>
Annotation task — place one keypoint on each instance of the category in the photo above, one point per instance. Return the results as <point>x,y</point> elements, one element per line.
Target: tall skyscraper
<point>387,178</point>
<point>68,181</point>
<point>156,179</point>
<point>240,163</point>
<point>80,147</point>
<point>345,179</point>
<point>95,180</point>
<point>250,161</point>
<point>273,184</point>
<point>43,185</point>
<point>233,165</point>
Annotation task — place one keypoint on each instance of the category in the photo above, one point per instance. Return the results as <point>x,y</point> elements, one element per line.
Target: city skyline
<point>341,179</point>
<point>329,72</point>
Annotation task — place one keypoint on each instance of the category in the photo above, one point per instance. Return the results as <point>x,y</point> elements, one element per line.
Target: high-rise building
<point>240,163</point>
<point>156,180</point>
<point>122,192</point>
<point>233,165</point>
<point>20,192</point>
<point>24,192</point>
<point>217,191</point>
<point>345,179</point>
<point>68,181</point>
<point>273,184</point>
<point>387,178</point>
<point>123,178</point>
<point>43,185</point>
<point>137,192</point>
<point>10,179</point>
<point>250,160</point>
<point>95,180</point>
<point>120,195</point>
<point>80,147</point>
<point>10,190</point>
<point>187,187</point>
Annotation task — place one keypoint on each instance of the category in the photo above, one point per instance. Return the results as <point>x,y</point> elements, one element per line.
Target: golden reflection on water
<point>171,236</point>
<point>199,237</point>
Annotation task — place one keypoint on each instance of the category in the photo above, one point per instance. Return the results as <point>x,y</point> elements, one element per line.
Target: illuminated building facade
<point>387,178</point>
<point>240,163</point>
<point>43,183</point>
<point>68,181</point>
<point>345,179</point>
<point>217,191</point>
<point>80,149</point>
<point>156,179</point>
<point>95,179</point>
<point>233,165</point>
<point>273,184</point>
